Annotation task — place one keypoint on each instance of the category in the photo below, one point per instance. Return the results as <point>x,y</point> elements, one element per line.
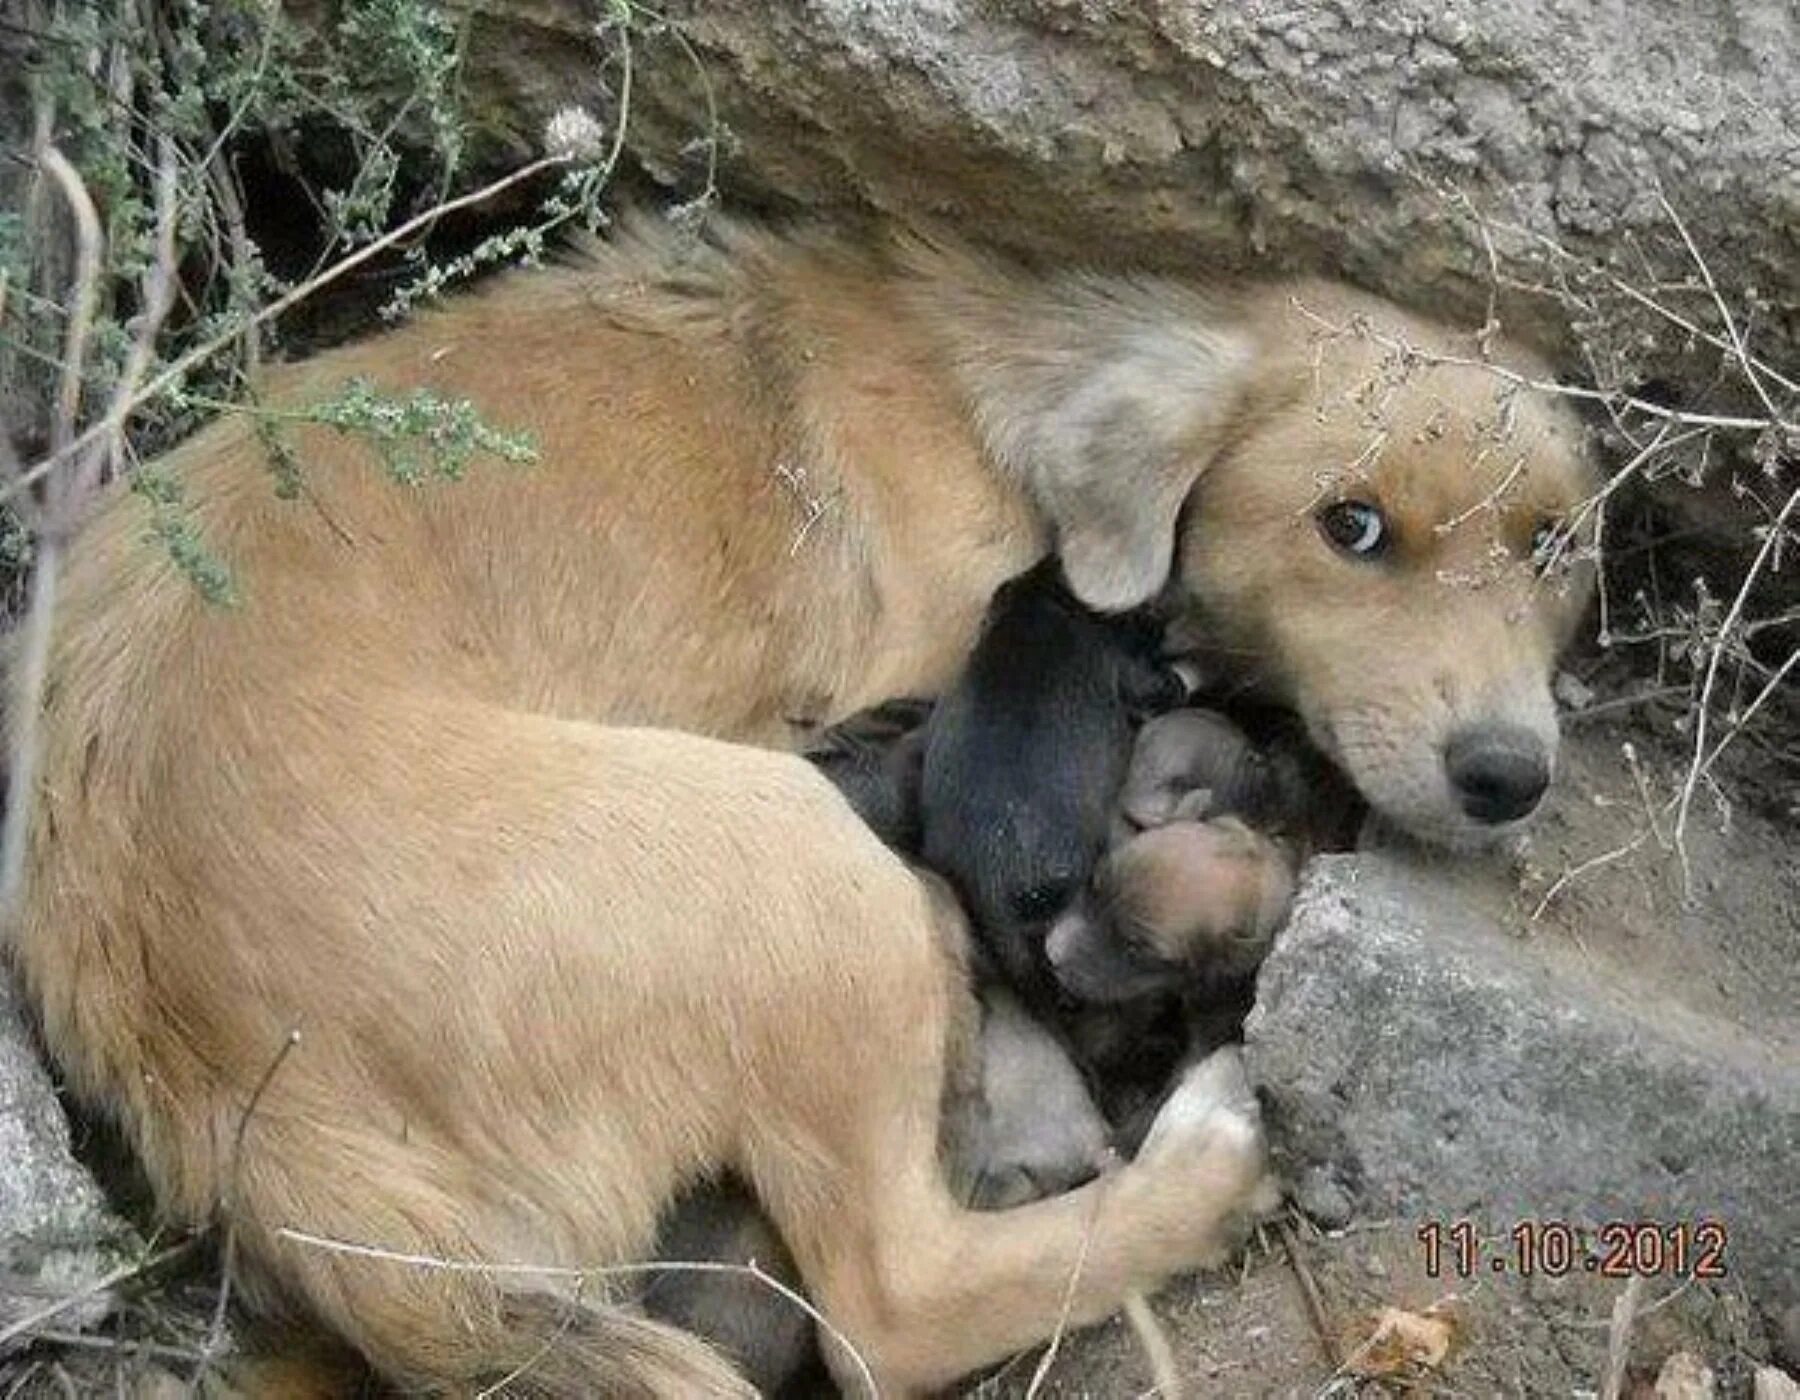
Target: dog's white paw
<point>1210,1127</point>
<point>1213,1096</point>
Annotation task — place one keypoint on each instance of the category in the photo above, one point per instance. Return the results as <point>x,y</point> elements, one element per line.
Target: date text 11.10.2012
<point>1554,1248</point>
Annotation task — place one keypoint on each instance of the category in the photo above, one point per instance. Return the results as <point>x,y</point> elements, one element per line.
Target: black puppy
<point>876,760</point>
<point>1024,758</point>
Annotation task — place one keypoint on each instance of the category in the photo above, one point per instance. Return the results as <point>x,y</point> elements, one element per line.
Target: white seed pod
<point>574,132</point>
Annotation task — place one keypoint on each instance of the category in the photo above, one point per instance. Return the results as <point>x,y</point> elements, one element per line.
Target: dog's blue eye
<point>1356,527</point>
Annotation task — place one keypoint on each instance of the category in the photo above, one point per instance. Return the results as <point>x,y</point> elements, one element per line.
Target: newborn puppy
<point>1030,1129</point>
<point>1024,758</point>
<point>1188,904</point>
<point>1195,763</point>
<point>1155,962</point>
<point>1201,870</point>
<point>766,1334</point>
<point>876,760</point>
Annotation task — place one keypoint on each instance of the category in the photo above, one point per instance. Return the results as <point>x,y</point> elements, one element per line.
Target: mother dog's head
<point>1342,503</point>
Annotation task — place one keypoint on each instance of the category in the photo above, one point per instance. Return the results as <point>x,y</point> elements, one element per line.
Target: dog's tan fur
<point>544,970</point>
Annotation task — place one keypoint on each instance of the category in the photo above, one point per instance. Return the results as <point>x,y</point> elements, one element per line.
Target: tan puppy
<point>1173,905</point>
<point>546,972</point>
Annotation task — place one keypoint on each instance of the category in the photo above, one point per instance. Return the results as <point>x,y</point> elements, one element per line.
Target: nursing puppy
<point>1208,835</point>
<point>781,477</point>
<point>1174,848</point>
<point>877,760</point>
<point>1195,763</point>
<point>1023,758</point>
<point>1182,905</point>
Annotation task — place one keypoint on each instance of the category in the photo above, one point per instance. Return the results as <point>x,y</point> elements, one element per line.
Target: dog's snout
<point>1499,771</point>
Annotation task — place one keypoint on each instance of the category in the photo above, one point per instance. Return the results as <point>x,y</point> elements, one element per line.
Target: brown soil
<point>1253,1335</point>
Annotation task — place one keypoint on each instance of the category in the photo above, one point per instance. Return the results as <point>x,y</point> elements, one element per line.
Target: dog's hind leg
<point>922,1290</point>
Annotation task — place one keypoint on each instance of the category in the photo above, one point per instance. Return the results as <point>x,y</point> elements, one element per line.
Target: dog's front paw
<point>1209,1135</point>
<point>1211,1098</point>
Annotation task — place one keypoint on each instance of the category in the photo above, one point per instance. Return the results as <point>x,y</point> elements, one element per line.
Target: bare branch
<point>174,372</point>
<point>215,1332</point>
<point>29,1325</point>
<point>81,299</point>
<point>33,656</point>
<point>1361,328</point>
<point>158,297</point>
<point>1562,256</point>
<point>578,1276</point>
<point>1699,764</point>
<point>1739,352</point>
<point>33,662</point>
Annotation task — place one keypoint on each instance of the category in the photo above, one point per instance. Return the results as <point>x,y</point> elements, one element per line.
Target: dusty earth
<point>1718,932</point>
<point>1254,1333</point>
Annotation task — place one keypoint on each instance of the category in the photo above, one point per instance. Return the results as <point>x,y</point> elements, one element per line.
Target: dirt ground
<point>1246,1334</point>
<point>1719,936</point>
<point>1254,1334</point>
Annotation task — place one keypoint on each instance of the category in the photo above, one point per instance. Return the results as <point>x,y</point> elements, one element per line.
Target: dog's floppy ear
<point>1105,396</point>
<point>1110,442</point>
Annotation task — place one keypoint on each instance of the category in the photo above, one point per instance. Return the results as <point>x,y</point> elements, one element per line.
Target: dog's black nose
<point>1499,771</point>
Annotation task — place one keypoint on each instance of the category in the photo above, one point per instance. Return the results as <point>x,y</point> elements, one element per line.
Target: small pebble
<point>1324,1198</point>
<point>1572,693</point>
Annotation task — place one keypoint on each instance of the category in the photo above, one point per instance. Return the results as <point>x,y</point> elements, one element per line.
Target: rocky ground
<point>1212,136</point>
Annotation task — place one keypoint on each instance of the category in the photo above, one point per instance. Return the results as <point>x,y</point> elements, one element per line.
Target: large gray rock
<point>1321,135</point>
<point>1418,1058</point>
<point>57,1236</point>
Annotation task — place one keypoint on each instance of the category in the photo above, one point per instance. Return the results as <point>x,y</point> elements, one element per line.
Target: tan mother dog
<point>545,972</point>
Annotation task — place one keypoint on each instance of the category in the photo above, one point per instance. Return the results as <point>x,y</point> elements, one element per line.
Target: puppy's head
<point>1178,902</point>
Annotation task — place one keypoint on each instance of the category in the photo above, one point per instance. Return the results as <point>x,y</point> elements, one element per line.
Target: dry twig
<point>1618,1338</point>
<point>173,372</point>
<point>1309,1290</point>
<point>215,1334</point>
<point>29,1325</point>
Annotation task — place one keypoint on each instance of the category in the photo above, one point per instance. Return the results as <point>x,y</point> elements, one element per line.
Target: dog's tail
<point>431,1323</point>
<point>559,1349</point>
<point>547,1348</point>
